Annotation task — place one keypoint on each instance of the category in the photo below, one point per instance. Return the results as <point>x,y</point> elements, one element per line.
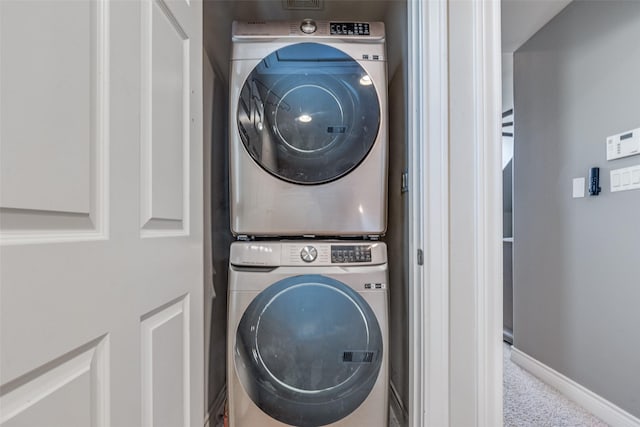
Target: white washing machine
<point>307,342</point>
<point>308,129</point>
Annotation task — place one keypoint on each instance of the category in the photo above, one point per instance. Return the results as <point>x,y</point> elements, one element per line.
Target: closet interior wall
<point>218,17</point>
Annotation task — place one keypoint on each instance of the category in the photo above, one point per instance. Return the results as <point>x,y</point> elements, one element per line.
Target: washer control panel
<point>349,28</point>
<point>308,253</point>
<point>341,254</point>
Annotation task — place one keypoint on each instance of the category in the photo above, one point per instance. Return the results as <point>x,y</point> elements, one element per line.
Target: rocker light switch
<point>578,187</point>
<point>625,179</point>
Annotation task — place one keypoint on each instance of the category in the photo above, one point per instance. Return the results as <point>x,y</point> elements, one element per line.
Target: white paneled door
<point>101,213</point>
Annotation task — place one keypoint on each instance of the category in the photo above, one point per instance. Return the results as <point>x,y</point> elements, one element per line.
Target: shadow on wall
<point>221,241</point>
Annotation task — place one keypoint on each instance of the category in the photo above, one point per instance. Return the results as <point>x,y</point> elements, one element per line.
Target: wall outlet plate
<point>623,145</point>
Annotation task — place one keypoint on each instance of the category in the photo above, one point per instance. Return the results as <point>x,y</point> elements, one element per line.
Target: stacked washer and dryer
<point>308,304</point>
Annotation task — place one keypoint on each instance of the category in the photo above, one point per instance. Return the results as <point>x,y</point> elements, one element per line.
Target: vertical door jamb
<point>428,152</point>
<point>487,113</point>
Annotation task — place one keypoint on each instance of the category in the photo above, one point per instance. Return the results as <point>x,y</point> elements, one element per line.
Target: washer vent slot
<point>303,4</point>
<point>358,356</point>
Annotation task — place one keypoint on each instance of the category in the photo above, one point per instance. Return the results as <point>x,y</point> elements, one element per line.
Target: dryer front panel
<point>308,350</point>
<point>308,113</point>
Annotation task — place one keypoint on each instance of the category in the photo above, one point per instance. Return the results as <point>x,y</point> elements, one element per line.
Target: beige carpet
<point>528,402</point>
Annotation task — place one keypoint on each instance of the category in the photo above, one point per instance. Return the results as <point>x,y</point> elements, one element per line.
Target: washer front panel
<point>308,113</point>
<point>308,350</point>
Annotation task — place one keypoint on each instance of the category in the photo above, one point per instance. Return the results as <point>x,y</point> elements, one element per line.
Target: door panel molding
<point>75,206</point>
<point>172,318</point>
<point>90,361</point>
<point>165,127</point>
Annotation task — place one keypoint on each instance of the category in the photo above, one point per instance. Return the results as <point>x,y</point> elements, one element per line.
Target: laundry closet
<point>103,206</point>
<point>221,106</point>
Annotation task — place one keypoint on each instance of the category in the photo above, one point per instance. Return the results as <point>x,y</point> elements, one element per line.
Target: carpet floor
<point>528,402</point>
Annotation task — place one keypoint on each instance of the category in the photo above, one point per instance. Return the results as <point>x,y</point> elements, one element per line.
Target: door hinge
<point>420,257</point>
<point>405,182</point>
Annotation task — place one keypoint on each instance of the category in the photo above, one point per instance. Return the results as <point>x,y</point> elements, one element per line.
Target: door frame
<point>430,211</point>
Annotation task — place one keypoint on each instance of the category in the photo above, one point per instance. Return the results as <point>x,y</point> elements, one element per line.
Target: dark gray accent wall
<point>397,242</point>
<point>577,261</point>
<point>221,240</point>
<point>507,251</point>
<point>397,237</point>
<point>507,200</point>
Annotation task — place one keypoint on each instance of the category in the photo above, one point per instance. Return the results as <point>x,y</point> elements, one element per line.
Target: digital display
<point>626,136</point>
<point>357,253</point>
<point>349,28</point>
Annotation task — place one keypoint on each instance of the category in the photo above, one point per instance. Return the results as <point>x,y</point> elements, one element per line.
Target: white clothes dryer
<point>307,337</point>
<point>308,129</point>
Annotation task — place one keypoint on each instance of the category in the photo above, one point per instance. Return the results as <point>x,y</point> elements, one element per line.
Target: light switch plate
<point>624,144</point>
<point>578,187</point>
<point>625,179</point>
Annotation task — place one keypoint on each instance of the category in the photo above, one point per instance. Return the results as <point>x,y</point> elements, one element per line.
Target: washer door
<point>308,113</point>
<point>308,350</point>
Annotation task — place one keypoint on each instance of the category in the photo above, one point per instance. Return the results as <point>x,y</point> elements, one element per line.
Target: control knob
<point>308,254</point>
<point>308,26</point>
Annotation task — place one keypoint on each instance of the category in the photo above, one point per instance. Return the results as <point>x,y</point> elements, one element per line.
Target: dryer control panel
<point>307,29</point>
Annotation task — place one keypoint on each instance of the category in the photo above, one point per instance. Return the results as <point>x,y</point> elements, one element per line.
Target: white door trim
<point>428,125</point>
<point>428,138</point>
<point>487,109</point>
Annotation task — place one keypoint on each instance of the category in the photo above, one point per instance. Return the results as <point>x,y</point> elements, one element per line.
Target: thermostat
<point>623,145</point>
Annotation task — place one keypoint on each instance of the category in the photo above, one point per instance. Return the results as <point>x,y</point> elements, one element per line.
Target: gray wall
<point>219,227</point>
<point>397,240</point>
<point>507,200</point>
<point>576,261</point>
<point>397,228</point>
<point>507,251</point>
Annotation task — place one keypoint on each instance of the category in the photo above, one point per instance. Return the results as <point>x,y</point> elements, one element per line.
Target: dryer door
<point>308,113</point>
<point>308,350</point>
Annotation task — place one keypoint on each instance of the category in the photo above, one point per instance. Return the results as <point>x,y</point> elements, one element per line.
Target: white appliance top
<point>351,30</point>
<point>307,253</point>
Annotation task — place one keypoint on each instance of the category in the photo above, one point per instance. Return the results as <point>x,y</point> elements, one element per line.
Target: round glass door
<point>308,113</point>
<point>308,350</point>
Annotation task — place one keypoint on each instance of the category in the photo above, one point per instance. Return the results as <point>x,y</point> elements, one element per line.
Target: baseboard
<point>507,336</point>
<point>597,405</point>
<point>215,412</point>
<point>396,405</point>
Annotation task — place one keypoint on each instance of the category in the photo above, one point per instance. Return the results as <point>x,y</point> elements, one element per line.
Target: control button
<point>308,26</point>
<point>308,254</point>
